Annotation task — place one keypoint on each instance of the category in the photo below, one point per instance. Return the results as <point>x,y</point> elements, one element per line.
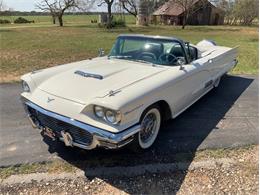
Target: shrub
<point>114,23</point>
<point>93,21</point>
<point>118,23</point>
<point>21,20</point>
<point>4,21</point>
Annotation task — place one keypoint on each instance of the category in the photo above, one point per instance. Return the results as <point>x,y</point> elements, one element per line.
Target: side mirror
<point>181,62</point>
<point>101,52</point>
<point>188,50</point>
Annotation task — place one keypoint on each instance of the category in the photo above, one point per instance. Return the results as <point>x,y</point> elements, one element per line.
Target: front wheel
<point>150,126</point>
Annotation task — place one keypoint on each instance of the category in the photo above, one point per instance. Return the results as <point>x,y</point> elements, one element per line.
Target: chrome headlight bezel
<point>113,117</point>
<point>99,111</point>
<point>25,86</point>
<point>110,116</point>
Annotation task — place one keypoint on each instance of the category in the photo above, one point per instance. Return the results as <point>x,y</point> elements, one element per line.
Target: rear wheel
<point>150,126</point>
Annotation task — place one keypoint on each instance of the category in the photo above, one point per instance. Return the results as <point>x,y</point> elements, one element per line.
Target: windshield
<point>148,50</point>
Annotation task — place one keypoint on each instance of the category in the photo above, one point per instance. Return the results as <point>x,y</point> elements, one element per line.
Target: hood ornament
<point>50,99</point>
<point>112,92</point>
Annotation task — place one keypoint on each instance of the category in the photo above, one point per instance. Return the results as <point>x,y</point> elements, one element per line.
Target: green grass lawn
<point>68,19</point>
<point>26,49</point>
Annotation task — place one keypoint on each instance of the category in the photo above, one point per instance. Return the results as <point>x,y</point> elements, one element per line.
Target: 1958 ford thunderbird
<point>122,98</point>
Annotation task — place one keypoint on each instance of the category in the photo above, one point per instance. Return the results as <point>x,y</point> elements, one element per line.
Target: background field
<point>28,47</point>
<point>68,19</point>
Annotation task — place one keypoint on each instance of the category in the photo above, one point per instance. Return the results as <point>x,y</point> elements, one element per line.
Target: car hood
<point>97,78</point>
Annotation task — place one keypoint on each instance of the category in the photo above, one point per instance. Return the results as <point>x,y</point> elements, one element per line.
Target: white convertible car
<point>110,101</point>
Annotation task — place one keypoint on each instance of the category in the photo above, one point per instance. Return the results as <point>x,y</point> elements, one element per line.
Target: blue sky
<point>21,5</point>
<point>28,5</point>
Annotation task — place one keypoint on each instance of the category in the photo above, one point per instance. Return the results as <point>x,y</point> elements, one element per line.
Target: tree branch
<point>131,5</point>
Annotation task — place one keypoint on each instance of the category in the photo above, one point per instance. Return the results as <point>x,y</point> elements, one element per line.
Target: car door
<point>198,80</point>
<point>194,81</point>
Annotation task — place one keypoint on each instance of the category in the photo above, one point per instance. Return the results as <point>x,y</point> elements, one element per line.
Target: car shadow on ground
<point>178,139</point>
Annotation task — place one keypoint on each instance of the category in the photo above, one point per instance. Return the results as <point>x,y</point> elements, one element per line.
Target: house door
<point>216,19</point>
<point>180,20</point>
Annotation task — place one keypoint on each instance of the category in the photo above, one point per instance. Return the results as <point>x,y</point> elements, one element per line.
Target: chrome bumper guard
<point>101,137</point>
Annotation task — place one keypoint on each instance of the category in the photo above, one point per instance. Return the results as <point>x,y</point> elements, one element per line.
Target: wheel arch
<point>164,108</point>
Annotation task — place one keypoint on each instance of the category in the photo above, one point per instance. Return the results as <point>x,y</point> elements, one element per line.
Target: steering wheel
<point>148,54</point>
<point>164,58</point>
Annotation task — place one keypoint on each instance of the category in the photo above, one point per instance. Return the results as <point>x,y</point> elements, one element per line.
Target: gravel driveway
<point>237,174</point>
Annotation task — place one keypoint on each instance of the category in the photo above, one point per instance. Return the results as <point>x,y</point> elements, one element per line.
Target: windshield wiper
<point>119,57</point>
<point>143,61</point>
<point>130,58</point>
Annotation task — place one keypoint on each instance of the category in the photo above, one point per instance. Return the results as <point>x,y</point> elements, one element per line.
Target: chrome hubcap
<point>148,127</point>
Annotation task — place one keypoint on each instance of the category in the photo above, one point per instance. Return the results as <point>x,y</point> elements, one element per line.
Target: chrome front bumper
<point>101,137</point>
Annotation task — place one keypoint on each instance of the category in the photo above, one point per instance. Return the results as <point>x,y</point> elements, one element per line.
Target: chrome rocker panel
<point>101,137</point>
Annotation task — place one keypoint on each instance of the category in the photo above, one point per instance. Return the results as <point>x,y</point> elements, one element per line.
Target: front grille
<point>79,135</point>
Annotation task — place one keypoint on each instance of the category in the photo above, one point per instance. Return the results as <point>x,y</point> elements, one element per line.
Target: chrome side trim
<point>98,134</point>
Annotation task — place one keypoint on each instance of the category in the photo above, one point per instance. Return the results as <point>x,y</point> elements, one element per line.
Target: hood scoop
<point>86,74</point>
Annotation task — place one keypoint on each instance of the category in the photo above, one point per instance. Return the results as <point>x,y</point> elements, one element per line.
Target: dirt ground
<point>241,177</point>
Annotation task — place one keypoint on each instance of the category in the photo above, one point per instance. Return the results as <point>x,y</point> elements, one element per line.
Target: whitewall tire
<point>150,126</point>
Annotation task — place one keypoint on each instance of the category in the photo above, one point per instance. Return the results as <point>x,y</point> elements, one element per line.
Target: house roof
<point>171,8</point>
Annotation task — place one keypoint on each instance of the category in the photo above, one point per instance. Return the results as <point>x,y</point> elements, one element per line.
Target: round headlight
<point>112,117</point>
<point>26,87</point>
<point>99,112</point>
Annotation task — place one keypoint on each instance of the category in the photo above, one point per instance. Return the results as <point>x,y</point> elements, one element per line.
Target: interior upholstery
<point>177,51</point>
<point>155,48</point>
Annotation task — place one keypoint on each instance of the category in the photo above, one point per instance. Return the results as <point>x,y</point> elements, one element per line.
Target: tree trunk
<point>183,22</point>
<point>60,20</point>
<point>53,19</point>
<point>109,19</point>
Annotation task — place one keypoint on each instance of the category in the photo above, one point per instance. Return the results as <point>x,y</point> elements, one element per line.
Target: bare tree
<point>2,5</point>
<point>130,6</point>
<point>109,4</point>
<point>246,11</point>
<point>228,7</point>
<point>57,8</point>
<point>187,7</point>
<point>241,12</point>
<point>48,6</point>
<point>152,5</point>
